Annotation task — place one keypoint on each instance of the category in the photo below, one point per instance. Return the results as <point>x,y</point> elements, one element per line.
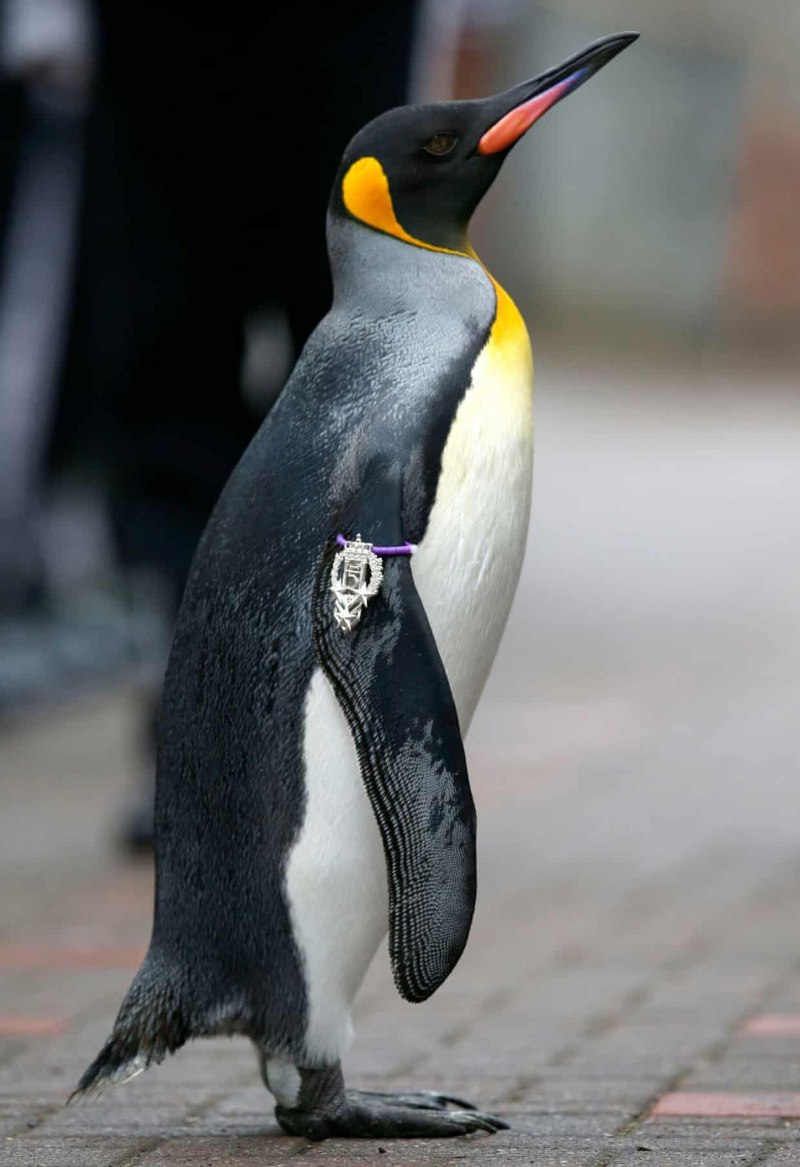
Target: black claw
<point>474,1120</point>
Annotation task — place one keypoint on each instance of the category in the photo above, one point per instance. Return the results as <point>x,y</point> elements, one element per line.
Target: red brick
<point>19,1026</point>
<point>52,956</point>
<point>773,1025</point>
<point>728,1105</point>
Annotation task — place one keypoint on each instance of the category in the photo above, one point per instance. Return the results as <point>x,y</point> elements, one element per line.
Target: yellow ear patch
<point>365,190</point>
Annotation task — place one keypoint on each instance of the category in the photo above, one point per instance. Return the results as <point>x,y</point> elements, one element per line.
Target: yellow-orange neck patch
<point>366,194</point>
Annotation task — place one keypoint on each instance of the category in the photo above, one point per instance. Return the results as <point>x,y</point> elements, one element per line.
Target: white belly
<point>466,570</point>
<point>336,876</point>
<point>467,567</point>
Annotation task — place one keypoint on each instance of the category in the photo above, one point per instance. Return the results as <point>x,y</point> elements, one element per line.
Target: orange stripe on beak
<point>513,125</point>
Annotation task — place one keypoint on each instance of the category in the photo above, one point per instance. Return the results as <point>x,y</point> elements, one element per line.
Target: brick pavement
<point>631,990</point>
<point>586,1014</point>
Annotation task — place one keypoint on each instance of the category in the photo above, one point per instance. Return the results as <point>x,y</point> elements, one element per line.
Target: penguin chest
<point>467,566</point>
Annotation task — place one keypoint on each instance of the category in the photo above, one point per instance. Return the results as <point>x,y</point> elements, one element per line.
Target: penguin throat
<point>366,195</point>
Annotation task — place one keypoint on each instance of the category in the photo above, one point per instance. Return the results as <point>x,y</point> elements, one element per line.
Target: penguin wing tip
<point>82,1094</point>
<point>98,1078</point>
<point>414,996</point>
<point>412,985</point>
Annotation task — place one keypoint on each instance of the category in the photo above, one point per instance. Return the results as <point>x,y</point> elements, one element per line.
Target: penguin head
<point>418,172</point>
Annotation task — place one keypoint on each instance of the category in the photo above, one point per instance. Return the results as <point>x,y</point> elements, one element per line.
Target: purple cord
<point>403,549</point>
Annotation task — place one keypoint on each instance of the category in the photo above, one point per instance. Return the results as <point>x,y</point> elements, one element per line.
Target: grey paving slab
<point>23,1111</point>
<point>782,1157</point>
<point>708,1131</point>
<point>587,1095</point>
<point>226,1151</point>
<point>149,1116</point>
<point>602,1125</point>
<point>752,1076</point>
<point>475,1149</point>
<point>693,1158</point>
<point>98,1151</point>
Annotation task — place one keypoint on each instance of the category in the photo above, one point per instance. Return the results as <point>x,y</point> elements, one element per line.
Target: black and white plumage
<point>312,787</point>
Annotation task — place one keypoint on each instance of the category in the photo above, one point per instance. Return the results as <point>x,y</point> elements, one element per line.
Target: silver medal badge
<point>356,577</point>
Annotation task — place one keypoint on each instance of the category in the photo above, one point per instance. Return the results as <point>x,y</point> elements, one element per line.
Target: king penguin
<point>312,790</point>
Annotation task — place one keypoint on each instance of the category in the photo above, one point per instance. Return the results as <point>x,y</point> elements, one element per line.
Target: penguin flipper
<point>391,684</point>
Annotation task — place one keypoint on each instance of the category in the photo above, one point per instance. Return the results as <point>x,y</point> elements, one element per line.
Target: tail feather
<point>150,1024</point>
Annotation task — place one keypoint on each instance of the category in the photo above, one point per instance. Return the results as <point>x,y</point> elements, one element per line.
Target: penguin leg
<point>316,1105</point>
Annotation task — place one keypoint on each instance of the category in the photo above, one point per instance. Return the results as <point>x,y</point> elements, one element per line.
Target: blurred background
<point>159,188</point>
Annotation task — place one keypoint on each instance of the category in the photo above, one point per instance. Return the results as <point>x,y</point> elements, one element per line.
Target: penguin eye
<point>441,144</point>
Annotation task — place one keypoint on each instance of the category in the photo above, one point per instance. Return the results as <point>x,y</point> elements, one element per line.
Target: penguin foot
<point>326,1109</point>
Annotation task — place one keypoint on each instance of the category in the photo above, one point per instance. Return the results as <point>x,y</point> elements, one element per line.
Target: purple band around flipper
<point>403,549</point>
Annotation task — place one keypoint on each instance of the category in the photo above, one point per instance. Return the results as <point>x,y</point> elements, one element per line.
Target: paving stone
<point>586,1095</point>
<point>100,1151</point>
<point>21,1025</point>
<point>177,1113</point>
<point>783,1157</point>
<point>22,1110</point>
<point>759,1049</point>
<point>706,1132</point>
<point>588,1063</point>
<point>723,1104</point>
<point>502,1148</point>
<point>55,956</point>
<point>745,1076</point>
<point>599,1125</point>
<point>772,1025</point>
<point>269,1151</point>
<point>490,1059</point>
<point>649,1051</point>
<point>692,1158</point>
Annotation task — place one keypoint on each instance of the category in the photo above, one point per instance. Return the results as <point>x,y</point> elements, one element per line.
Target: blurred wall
<point>658,197</point>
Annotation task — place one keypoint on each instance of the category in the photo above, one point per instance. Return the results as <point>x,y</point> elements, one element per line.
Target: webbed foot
<point>325,1109</point>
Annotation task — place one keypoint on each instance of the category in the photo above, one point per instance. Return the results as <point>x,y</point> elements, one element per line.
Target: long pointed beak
<point>525,104</point>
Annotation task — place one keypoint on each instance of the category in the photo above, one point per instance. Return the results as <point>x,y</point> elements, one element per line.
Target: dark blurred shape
<point>47,645</point>
<point>44,60</point>
<point>212,143</point>
<point>207,182</point>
